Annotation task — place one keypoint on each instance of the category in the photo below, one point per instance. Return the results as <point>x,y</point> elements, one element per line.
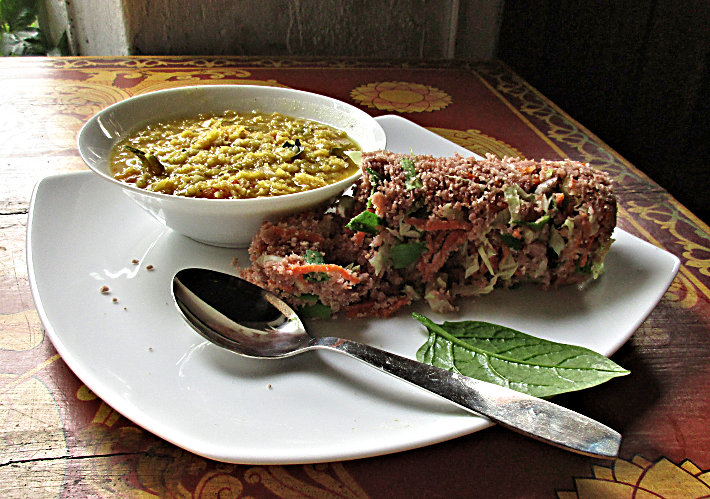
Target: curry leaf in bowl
<point>149,161</point>
<point>295,149</point>
<point>507,357</point>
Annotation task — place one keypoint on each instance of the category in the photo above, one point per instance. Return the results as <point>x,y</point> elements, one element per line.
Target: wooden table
<point>58,439</point>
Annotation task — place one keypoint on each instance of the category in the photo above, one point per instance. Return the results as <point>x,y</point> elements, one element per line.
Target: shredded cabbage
<point>440,305</point>
<point>556,242</point>
<point>484,256</point>
<point>411,293</point>
<point>514,196</point>
<point>487,288</point>
<point>472,265</point>
<point>263,259</point>
<point>541,268</point>
<point>379,260</point>
<point>507,267</point>
<point>597,267</point>
<point>546,202</point>
<point>449,212</point>
<point>407,230</point>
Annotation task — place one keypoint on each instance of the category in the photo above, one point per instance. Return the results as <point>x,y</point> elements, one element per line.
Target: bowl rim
<point>335,187</point>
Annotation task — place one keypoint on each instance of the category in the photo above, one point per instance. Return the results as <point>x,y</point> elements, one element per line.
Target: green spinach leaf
<point>507,357</point>
<point>405,254</point>
<point>366,221</point>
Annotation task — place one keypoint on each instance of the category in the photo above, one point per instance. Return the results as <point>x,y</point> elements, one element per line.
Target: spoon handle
<point>526,414</point>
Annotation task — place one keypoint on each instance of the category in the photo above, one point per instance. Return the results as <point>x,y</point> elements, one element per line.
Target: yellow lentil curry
<point>235,155</point>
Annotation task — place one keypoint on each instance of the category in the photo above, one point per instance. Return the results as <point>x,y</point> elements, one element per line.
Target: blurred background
<point>635,72</point>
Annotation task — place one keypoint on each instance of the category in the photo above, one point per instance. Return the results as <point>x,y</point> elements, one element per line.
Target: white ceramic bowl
<point>221,222</point>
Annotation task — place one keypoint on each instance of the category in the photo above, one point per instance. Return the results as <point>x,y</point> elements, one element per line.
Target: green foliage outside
<point>21,33</point>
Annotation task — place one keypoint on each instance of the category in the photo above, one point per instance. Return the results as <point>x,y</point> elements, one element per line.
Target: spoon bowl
<point>238,315</point>
<point>247,320</point>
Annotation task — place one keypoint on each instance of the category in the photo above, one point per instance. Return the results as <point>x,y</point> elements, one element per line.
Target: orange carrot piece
<point>506,251</point>
<point>359,237</point>
<point>324,267</point>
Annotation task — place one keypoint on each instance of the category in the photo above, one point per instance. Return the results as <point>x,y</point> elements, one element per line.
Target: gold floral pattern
<point>99,88</point>
<point>401,96</point>
<point>642,478</point>
<point>478,142</point>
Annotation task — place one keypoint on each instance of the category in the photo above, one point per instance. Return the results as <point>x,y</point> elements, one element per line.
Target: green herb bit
<point>511,241</point>
<point>540,222</point>
<point>507,357</point>
<point>317,310</point>
<point>595,269</point>
<point>376,178</point>
<point>411,181</point>
<point>405,254</point>
<point>586,269</point>
<point>537,224</point>
<point>149,161</point>
<point>366,221</point>
<point>308,298</point>
<point>315,258</point>
<point>420,210</point>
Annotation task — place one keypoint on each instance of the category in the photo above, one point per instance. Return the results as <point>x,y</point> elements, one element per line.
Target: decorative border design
<point>266,62</point>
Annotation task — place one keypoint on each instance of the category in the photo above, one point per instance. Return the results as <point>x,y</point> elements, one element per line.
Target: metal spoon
<point>250,321</point>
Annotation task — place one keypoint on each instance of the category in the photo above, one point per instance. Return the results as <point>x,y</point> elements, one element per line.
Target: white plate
<point>141,358</point>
